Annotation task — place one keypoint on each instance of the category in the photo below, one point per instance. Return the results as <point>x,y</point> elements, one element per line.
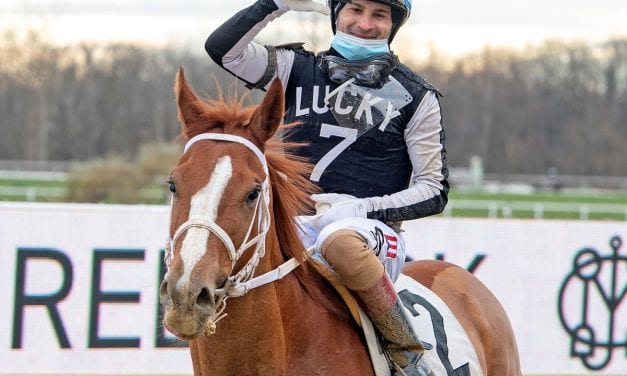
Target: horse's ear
<point>189,106</point>
<point>269,114</point>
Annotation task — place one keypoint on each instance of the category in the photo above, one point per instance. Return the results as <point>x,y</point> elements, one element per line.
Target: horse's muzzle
<point>187,309</point>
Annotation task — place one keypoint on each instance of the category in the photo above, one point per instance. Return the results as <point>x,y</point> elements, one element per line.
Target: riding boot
<point>384,308</point>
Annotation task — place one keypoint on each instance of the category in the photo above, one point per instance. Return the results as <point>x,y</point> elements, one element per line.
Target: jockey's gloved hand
<point>302,6</point>
<point>331,207</point>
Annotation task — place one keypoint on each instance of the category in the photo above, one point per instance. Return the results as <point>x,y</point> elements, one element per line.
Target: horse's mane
<point>291,189</point>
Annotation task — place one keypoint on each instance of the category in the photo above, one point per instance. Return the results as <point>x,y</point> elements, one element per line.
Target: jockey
<point>371,127</point>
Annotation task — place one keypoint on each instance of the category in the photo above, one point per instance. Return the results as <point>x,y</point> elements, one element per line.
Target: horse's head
<point>220,199</point>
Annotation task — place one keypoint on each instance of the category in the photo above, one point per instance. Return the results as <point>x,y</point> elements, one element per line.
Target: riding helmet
<point>401,9</point>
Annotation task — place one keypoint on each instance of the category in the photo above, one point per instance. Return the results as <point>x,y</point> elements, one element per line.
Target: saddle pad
<point>449,350</point>
<point>431,319</point>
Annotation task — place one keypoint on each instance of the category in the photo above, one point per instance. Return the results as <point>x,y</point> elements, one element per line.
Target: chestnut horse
<point>235,187</point>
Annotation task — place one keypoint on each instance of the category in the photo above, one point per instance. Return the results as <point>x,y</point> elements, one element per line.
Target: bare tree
<point>558,105</point>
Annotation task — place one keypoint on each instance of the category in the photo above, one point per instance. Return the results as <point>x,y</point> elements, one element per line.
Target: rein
<point>240,283</point>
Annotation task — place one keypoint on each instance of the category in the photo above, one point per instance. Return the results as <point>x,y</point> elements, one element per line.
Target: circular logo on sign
<point>589,303</point>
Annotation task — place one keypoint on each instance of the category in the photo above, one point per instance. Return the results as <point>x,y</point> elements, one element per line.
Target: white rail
<point>506,209</point>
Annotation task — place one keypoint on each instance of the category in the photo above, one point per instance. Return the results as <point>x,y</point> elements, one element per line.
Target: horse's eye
<point>253,195</point>
<point>171,186</point>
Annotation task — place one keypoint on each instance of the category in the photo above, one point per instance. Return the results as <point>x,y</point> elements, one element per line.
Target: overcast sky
<point>452,26</point>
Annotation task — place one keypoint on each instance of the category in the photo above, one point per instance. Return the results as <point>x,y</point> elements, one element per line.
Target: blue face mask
<point>354,48</point>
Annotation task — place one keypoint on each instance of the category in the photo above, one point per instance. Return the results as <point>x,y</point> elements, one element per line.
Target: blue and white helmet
<point>401,9</point>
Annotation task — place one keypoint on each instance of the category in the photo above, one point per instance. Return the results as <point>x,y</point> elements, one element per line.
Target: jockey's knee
<point>354,262</point>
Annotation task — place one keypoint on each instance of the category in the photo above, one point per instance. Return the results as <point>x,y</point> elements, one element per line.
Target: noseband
<point>241,282</point>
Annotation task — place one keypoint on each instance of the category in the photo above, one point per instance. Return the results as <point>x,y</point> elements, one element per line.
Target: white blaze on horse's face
<point>204,205</point>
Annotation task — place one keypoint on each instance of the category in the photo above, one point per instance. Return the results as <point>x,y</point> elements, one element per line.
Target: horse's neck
<point>278,329</point>
<point>331,343</point>
<point>248,341</point>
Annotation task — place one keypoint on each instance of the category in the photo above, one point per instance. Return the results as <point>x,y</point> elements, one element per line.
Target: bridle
<point>241,282</point>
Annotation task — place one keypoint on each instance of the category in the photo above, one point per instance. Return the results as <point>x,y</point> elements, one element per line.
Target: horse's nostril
<point>204,297</point>
<point>164,295</point>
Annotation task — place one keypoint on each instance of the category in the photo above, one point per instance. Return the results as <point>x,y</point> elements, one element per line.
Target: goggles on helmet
<point>371,72</point>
